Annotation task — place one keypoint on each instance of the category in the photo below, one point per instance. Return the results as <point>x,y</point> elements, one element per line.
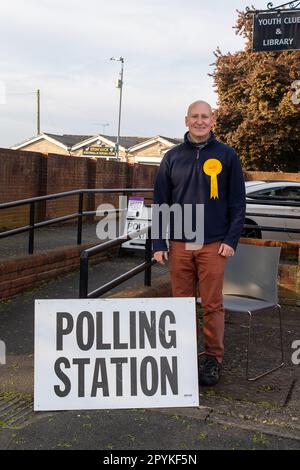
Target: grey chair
<point>250,286</point>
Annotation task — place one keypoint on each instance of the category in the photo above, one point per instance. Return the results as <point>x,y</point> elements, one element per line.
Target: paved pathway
<point>235,414</point>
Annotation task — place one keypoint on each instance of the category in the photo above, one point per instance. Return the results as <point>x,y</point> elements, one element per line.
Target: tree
<point>255,112</point>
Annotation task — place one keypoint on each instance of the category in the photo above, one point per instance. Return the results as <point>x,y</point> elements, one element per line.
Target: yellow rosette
<point>212,167</point>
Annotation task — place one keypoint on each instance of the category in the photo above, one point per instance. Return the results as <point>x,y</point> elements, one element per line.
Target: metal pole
<point>79,220</point>
<point>84,276</point>
<point>148,257</point>
<point>38,96</point>
<point>120,106</point>
<point>31,230</point>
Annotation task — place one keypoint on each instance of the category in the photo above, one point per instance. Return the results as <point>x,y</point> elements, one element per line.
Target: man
<point>202,171</point>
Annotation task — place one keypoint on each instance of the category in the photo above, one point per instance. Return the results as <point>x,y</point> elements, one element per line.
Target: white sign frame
<point>136,223</point>
<point>135,207</point>
<point>161,374</point>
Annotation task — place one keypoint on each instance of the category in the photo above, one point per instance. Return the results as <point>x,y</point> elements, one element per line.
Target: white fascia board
<point>36,139</point>
<point>147,159</point>
<point>28,142</point>
<point>146,143</point>
<point>165,141</point>
<point>94,139</point>
<point>166,150</point>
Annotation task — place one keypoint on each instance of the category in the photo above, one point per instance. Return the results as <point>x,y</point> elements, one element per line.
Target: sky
<point>63,48</point>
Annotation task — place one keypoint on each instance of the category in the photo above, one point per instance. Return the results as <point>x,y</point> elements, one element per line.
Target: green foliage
<point>255,112</point>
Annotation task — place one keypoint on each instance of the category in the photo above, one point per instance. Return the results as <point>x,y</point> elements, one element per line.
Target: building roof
<point>69,141</point>
<point>174,140</point>
<point>127,142</point>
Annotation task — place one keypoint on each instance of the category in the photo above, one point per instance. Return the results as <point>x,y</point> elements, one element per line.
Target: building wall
<point>154,150</point>
<point>65,174</point>
<point>146,160</point>
<point>25,174</point>
<point>22,176</point>
<point>44,146</point>
<point>269,175</point>
<point>144,177</point>
<point>109,175</point>
<point>79,153</point>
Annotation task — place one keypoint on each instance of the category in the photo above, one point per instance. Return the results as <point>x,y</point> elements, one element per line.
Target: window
<point>282,193</point>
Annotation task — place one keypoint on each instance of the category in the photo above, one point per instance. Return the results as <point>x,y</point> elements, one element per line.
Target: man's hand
<point>160,256</point>
<point>225,250</point>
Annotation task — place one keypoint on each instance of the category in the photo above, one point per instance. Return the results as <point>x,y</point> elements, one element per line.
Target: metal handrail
<point>278,216</point>
<point>20,202</point>
<point>272,202</point>
<point>272,229</point>
<point>32,226</point>
<point>88,253</point>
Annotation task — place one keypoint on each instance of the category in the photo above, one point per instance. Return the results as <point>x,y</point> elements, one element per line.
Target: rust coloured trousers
<point>204,268</point>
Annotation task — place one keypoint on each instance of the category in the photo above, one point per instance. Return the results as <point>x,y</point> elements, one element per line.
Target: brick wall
<point>144,177</point>
<point>25,174</point>
<point>109,175</point>
<point>18,275</point>
<point>22,175</point>
<point>269,175</point>
<point>65,174</point>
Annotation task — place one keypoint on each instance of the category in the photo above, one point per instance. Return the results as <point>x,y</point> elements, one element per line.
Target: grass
<point>260,438</point>
<point>199,315</point>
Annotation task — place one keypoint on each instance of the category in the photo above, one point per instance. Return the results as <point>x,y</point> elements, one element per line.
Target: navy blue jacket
<point>181,179</point>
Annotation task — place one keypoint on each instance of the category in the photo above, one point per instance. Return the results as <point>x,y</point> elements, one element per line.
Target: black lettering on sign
<point>61,330</point>
<point>149,389</point>
<point>100,365</point>
<point>85,323</point>
<point>147,328</point>
<point>117,341</point>
<point>162,330</point>
<point>62,361</point>
<point>119,361</point>
<point>81,363</point>
<point>99,328</point>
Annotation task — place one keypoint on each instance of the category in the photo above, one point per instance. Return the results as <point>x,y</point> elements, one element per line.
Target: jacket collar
<point>210,139</point>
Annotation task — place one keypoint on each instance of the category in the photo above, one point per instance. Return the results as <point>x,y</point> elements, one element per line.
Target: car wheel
<point>251,232</point>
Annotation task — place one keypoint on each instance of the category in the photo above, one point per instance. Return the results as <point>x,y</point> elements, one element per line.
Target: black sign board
<point>276,31</point>
<point>100,150</point>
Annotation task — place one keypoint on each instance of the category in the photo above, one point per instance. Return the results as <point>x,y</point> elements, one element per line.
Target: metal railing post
<point>31,228</point>
<point>79,219</point>
<point>148,257</point>
<point>84,275</point>
<point>122,213</point>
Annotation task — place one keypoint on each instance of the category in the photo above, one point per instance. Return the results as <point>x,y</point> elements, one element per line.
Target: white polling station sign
<point>138,217</point>
<point>115,353</point>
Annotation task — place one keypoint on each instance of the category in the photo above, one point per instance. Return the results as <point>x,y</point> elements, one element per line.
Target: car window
<point>292,192</point>
<point>264,193</point>
<point>289,192</point>
<point>282,193</point>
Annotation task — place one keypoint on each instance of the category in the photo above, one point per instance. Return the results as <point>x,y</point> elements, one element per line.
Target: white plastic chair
<point>250,286</point>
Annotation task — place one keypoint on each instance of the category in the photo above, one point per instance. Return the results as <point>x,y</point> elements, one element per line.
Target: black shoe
<point>210,372</point>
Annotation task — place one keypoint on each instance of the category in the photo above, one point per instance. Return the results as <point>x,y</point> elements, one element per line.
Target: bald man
<point>201,171</point>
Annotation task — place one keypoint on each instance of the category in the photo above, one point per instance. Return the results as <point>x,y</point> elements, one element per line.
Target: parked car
<point>279,191</point>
